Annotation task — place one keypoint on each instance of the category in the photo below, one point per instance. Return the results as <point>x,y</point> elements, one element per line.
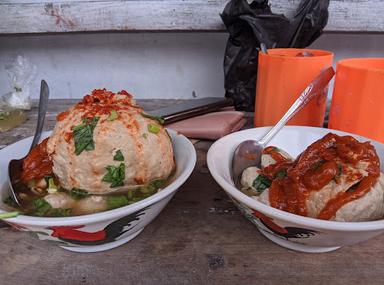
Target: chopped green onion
<point>145,135</point>
<point>9,215</point>
<point>154,129</point>
<point>113,115</point>
<point>52,188</point>
<point>60,212</point>
<point>78,193</point>
<point>152,186</point>
<point>42,207</point>
<point>158,183</point>
<point>118,156</point>
<point>147,189</point>
<point>281,174</point>
<point>114,202</point>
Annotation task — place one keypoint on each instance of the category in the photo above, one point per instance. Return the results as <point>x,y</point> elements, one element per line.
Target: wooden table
<point>199,238</point>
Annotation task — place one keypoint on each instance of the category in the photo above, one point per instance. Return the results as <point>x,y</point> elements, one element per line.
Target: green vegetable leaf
<point>115,175</point>
<point>83,135</point>
<point>60,212</point>
<point>281,174</point>
<point>130,194</point>
<point>152,128</point>
<point>10,202</point>
<point>261,183</point>
<point>158,183</point>
<point>156,118</point>
<point>9,215</point>
<point>118,156</point>
<point>147,189</point>
<point>114,202</point>
<point>42,207</point>
<point>52,187</point>
<point>77,193</point>
<point>152,186</point>
<point>3,115</point>
<point>113,115</point>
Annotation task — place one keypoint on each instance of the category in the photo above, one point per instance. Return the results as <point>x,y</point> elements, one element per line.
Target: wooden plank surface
<point>199,238</point>
<point>38,16</point>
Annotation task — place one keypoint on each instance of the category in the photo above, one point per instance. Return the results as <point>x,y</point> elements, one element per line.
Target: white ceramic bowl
<point>105,230</point>
<point>286,229</point>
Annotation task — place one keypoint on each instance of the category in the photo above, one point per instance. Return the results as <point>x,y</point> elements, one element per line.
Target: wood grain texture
<point>199,238</point>
<point>22,16</point>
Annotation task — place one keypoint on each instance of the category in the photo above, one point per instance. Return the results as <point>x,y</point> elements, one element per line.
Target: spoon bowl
<point>15,166</point>
<point>248,153</point>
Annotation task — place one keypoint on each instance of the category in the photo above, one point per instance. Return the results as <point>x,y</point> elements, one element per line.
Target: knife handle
<point>191,108</point>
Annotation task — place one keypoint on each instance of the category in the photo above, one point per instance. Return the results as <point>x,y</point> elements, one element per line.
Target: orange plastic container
<point>282,75</point>
<point>358,97</point>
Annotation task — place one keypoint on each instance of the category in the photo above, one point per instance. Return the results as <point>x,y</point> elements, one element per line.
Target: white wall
<point>149,65</point>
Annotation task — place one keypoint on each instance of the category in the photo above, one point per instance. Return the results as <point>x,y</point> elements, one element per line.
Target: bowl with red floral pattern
<point>316,189</point>
<point>123,219</point>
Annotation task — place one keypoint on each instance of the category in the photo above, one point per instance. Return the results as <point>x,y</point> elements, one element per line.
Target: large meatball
<point>106,144</point>
<point>367,208</point>
<point>335,178</point>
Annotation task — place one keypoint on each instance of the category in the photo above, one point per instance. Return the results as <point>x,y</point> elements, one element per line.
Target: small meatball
<point>60,200</point>
<point>90,205</point>
<point>248,176</point>
<point>268,158</point>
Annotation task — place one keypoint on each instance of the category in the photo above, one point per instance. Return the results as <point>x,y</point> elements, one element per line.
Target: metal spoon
<point>15,166</point>
<point>248,153</point>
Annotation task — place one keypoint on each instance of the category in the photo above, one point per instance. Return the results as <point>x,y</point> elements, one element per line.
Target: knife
<point>191,108</point>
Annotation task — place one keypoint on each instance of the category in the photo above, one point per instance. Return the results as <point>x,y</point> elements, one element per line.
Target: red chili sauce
<point>272,151</point>
<point>321,162</point>
<point>37,164</point>
<point>102,102</point>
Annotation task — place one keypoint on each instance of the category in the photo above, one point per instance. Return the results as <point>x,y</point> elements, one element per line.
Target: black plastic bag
<point>251,24</point>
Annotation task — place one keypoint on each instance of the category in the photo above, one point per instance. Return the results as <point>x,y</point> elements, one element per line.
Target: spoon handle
<point>315,88</point>
<point>43,103</point>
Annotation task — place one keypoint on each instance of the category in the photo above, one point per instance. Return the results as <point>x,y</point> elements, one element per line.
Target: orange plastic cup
<point>358,97</point>
<point>282,75</point>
